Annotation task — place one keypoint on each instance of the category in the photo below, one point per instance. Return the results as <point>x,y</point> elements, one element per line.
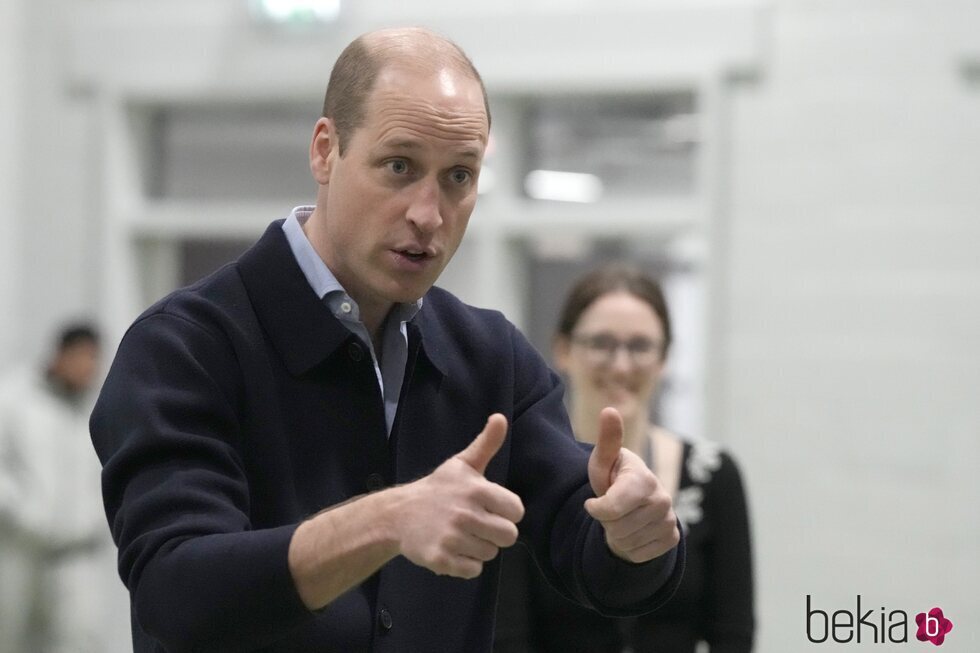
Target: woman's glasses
<point>601,348</point>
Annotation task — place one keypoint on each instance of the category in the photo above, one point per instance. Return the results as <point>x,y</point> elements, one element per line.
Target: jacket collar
<point>428,340</point>
<point>301,327</point>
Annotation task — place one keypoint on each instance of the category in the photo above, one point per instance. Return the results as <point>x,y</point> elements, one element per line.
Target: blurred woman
<point>612,342</point>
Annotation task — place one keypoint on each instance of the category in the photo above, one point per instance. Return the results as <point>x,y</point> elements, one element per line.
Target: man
<point>289,450</point>
<point>56,565</point>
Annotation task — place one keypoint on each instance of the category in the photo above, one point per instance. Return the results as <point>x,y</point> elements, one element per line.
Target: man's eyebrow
<point>401,144</point>
<point>470,153</point>
<point>408,144</point>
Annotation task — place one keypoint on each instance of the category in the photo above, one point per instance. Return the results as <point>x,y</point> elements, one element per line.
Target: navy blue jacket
<point>239,406</point>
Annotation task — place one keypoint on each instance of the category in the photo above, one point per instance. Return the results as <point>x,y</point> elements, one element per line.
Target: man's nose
<point>423,211</point>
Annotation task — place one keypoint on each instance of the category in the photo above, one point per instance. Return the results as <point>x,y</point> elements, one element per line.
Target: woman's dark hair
<point>611,278</point>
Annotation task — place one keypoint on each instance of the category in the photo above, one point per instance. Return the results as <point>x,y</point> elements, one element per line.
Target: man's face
<point>77,365</point>
<point>396,204</point>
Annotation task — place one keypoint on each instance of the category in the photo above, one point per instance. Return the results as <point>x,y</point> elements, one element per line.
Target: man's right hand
<point>450,522</point>
<point>454,519</point>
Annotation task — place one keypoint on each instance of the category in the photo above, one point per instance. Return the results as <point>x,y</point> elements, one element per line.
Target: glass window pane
<point>231,152</point>
<point>588,148</point>
<point>199,257</point>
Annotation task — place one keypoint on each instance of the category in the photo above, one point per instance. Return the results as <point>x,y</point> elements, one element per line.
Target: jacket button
<point>355,351</point>
<point>374,482</point>
<point>384,619</point>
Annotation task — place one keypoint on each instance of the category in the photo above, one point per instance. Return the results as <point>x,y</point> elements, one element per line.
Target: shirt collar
<point>323,281</point>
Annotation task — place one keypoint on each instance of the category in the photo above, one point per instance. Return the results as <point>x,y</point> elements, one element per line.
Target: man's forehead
<point>449,104</point>
<point>424,78</point>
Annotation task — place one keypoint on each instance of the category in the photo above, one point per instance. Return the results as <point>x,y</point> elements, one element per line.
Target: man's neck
<point>374,318</point>
<point>372,314</point>
<point>377,336</point>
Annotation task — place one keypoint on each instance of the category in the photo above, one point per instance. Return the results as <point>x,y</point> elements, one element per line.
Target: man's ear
<point>323,149</point>
<point>560,351</point>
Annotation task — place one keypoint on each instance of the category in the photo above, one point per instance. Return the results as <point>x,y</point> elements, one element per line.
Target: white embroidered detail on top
<point>687,506</point>
<point>705,458</point>
<point>703,461</point>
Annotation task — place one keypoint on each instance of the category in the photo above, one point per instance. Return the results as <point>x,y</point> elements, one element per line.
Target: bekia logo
<point>875,627</point>
<point>932,626</point>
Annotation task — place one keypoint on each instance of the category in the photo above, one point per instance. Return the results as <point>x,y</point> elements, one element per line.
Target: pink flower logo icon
<point>933,626</point>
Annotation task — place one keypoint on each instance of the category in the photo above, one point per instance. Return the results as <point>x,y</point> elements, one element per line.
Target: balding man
<point>314,449</point>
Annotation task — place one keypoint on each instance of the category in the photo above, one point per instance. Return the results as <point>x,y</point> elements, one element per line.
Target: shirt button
<point>345,307</point>
<point>374,482</point>
<point>355,351</point>
<point>384,619</point>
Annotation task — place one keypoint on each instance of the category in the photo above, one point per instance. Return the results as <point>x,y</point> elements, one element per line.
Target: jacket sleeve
<point>177,498</point>
<point>549,472</point>
<point>729,620</point>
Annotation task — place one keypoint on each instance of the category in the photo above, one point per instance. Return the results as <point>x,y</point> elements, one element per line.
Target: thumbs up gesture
<point>630,503</point>
<point>454,519</point>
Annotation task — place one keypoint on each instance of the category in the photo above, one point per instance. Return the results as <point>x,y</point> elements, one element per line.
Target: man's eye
<point>398,166</point>
<point>460,176</point>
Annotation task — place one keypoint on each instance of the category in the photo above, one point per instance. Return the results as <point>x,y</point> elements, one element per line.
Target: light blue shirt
<point>394,340</point>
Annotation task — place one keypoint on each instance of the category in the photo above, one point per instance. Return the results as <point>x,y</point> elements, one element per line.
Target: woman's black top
<point>714,602</point>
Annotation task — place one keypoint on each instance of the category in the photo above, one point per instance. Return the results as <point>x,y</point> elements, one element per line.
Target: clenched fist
<point>454,519</point>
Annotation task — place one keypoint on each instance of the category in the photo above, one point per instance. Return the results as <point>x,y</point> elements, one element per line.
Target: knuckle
<point>633,541</point>
<point>603,514</point>
<point>652,481</point>
<point>489,553</point>
<point>449,542</point>
<point>518,504</point>
<point>458,517</point>
<point>471,492</point>
<point>611,509</point>
<point>666,522</point>
<point>440,563</point>
<point>510,536</point>
<point>467,569</point>
<point>613,531</point>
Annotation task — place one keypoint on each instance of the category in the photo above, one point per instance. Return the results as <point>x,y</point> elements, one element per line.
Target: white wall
<point>12,47</point>
<point>852,371</point>
<point>47,170</point>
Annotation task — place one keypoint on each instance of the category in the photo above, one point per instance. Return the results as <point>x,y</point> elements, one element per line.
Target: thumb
<point>605,455</point>
<point>486,445</point>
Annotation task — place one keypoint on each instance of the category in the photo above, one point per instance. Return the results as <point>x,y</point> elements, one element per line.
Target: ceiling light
<point>562,186</point>
<point>296,12</point>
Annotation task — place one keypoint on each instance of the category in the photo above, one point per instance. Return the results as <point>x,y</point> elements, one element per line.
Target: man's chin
<point>409,296</point>
<point>400,292</point>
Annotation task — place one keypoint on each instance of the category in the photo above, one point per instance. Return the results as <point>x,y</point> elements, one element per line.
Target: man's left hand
<point>630,502</point>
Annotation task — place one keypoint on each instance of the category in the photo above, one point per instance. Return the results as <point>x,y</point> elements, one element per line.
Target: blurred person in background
<point>58,588</point>
<point>612,341</point>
